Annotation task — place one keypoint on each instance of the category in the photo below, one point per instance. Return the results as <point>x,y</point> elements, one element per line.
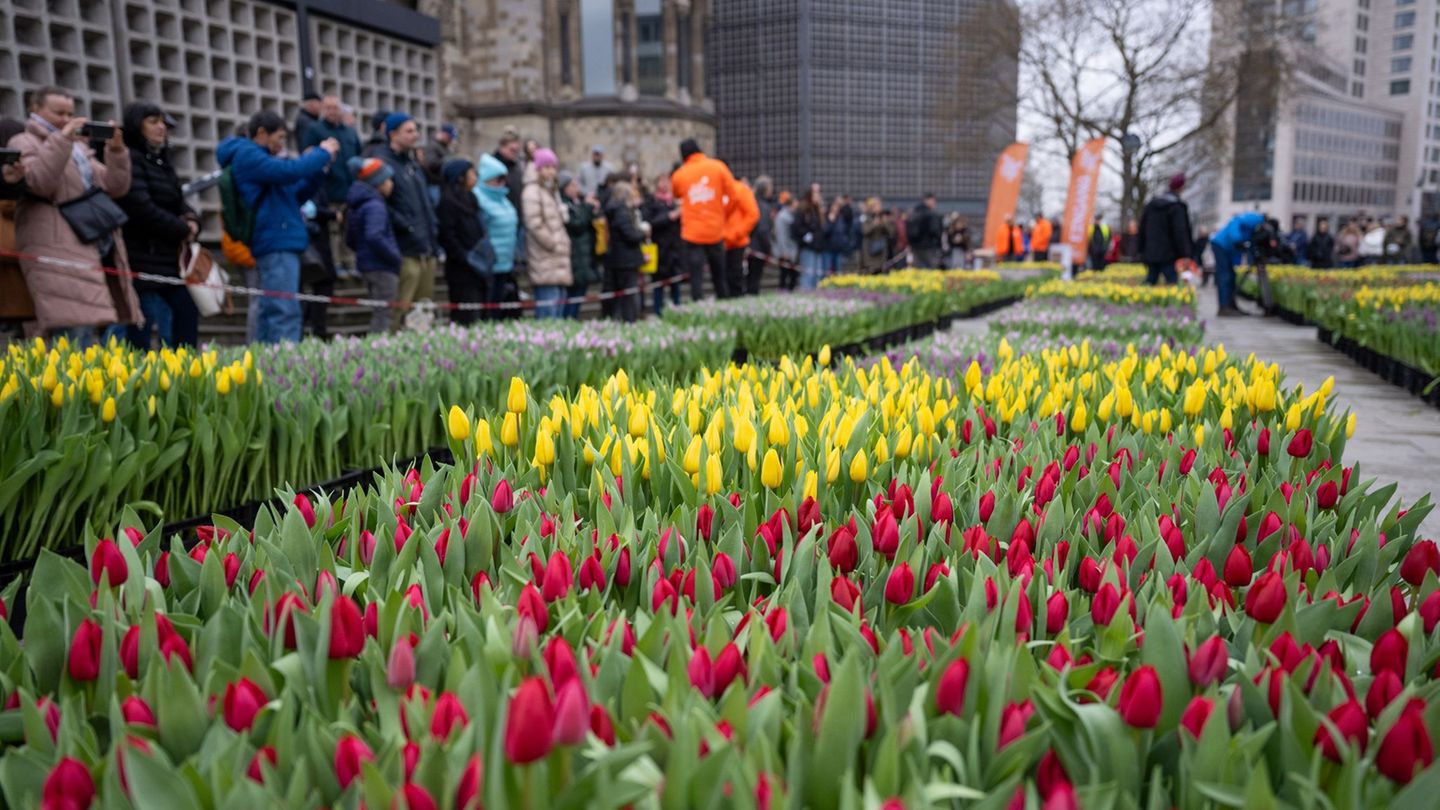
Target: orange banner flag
<point>1080,202</point>
<point>1004,192</point>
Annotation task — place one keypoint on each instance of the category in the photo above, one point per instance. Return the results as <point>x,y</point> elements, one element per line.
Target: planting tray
<point>1396,372</point>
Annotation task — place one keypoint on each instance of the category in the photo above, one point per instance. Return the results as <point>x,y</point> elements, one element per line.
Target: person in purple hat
<point>1165,237</point>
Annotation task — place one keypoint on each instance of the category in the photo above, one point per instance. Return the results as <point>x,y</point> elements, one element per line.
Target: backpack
<point>1428,233</point>
<point>237,218</point>
<point>914,228</point>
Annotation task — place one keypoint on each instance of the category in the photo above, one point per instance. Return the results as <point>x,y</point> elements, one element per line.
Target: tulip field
<point>1075,560</point>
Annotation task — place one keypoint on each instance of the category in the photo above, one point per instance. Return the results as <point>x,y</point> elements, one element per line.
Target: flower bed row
<point>851,313</point>
<point>180,433</point>
<point>1072,580</point>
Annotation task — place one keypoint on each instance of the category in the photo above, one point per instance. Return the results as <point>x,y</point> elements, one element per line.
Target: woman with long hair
<point>809,232</point>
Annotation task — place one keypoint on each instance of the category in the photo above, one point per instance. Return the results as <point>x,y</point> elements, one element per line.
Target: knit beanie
<point>688,147</point>
<point>545,157</point>
<point>395,120</point>
<point>454,169</point>
<point>371,171</point>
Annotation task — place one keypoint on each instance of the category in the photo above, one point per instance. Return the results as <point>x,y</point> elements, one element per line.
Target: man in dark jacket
<point>307,117</point>
<point>273,188</point>
<point>337,183</point>
<point>762,237</point>
<point>1164,237</point>
<point>509,153</point>
<point>437,151</point>
<point>377,141</point>
<point>924,230</point>
<point>1321,250</point>
<point>410,214</point>
<point>1429,237</point>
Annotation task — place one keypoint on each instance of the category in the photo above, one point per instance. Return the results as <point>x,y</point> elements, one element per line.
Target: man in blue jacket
<point>1229,245</point>
<point>274,188</point>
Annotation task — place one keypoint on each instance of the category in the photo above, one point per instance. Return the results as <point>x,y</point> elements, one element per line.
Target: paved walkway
<point>1397,437</point>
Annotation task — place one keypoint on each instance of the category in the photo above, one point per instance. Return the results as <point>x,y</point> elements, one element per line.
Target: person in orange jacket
<point>1003,237</point>
<point>703,185</point>
<point>1040,236</point>
<point>741,214</point>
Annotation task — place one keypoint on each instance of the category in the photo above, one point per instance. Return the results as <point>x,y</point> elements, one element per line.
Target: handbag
<point>481,258</point>
<point>93,216</point>
<point>204,278</point>
<point>651,252</point>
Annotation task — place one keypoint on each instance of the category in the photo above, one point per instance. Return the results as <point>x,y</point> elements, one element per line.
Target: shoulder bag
<point>93,215</point>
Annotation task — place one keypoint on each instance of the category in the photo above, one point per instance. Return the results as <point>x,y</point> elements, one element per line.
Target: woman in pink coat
<point>71,294</point>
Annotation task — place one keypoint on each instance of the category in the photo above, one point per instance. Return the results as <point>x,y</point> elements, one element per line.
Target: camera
<point>97,132</point>
<point>1268,247</point>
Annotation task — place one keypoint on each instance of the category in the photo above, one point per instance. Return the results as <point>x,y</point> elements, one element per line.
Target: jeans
<point>169,313</point>
<point>1225,278</point>
<point>279,318</point>
<point>697,258</point>
<point>382,286</point>
<point>1153,273</point>
<point>660,292</point>
<point>754,272</point>
<point>812,268</point>
<point>547,300</point>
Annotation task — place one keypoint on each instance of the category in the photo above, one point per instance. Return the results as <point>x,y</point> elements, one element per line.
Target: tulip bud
<point>1265,599</point>
<point>1141,698</point>
<point>1391,652</point>
<point>950,691</point>
<point>265,754</point>
<point>900,585</point>
<point>1422,557</point>
<point>449,714</point>
<point>137,712</point>
<point>1239,569</point>
<point>572,714</point>
<point>306,510</point>
<point>502,500</point>
<point>987,506</point>
<point>1354,726</point>
<point>529,723</point>
<point>1300,444</point>
<point>84,658</point>
<point>1057,612</point>
<point>1012,722</point>
<point>350,753</point>
<point>242,703</point>
<point>1405,748</point>
<point>400,671</point>
<point>107,563</point>
<point>1383,690</point>
<point>1196,714</point>
<point>1209,662</point>
<point>347,628</point>
<point>467,793</point>
<point>68,785</point>
<point>558,578</point>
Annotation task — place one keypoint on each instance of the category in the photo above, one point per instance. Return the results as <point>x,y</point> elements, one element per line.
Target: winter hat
<point>545,157</point>
<point>454,169</point>
<point>449,129</point>
<point>395,120</point>
<point>1177,182</point>
<point>377,118</point>
<point>688,147</point>
<point>371,171</point>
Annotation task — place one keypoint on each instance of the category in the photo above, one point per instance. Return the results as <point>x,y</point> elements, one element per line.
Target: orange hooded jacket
<point>1040,236</point>
<point>740,217</point>
<point>702,185</point>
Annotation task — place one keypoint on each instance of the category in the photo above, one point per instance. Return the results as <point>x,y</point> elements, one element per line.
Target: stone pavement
<point>1397,437</point>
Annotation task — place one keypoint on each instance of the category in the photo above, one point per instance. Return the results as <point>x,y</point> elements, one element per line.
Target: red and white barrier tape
<point>372,303</point>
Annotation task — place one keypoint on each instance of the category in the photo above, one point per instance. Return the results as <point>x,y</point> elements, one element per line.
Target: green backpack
<point>237,217</point>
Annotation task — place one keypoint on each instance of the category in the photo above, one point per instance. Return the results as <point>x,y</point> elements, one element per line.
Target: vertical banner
<point>1080,202</point>
<point>1004,190</point>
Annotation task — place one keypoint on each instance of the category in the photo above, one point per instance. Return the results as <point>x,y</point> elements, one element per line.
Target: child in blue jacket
<point>369,234</point>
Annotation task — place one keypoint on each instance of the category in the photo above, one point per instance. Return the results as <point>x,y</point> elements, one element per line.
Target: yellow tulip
<point>824,357</point>
<point>196,369</point>
<point>222,381</point>
<point>510,430</point>
<point>57,394</point>
<point>771,473</point>
<point>832,466</point>
<point>691,462</point>
<point>812,484</point>
<point>516,400</point>
<point>107,411</point>
<point>459,424</point>
<point>777,434</point>
<point>1080,418</point>
<point>1350,425</point>
<point>714,474</point>
<point>859,467</point>
<point>1194,398</point>
<point>544,448</point>
<point>882,450</point>
<point>744,436</point>
<point>150,404</point>
<point>972,376</point>
<point>484,444</point>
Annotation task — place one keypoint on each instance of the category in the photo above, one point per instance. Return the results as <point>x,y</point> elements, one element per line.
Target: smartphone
<point>8,156</point>
<point>97,132</point>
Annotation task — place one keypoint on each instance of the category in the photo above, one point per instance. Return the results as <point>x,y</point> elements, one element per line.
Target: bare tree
<point>1143,75</point>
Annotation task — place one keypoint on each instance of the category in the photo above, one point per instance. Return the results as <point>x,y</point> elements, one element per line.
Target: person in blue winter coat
<point>502,224</point>
<point>370,234</point>
<point>274,188</point>
<point>1228,246</point>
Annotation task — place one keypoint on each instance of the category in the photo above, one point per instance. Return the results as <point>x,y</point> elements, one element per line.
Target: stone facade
<point>520,64</point>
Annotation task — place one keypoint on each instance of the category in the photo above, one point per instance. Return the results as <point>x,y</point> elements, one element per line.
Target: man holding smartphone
<point>73,296</point>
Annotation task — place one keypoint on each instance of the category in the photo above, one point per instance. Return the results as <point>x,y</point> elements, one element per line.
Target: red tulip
<point>900,585</point>
<point>84,661</point>
<point>68,787</point>
<point>467,793</point>
<point>532,605</point>
<point>702,672</point>
<point>529,723</point>
<point>1327,495</point>
<point>987,506</point>
<point>1105,604</point>
<point>350,753</point>
<point>1405,748</point>
<point>107,563</point>
<point>1268,526</point>
<point>560,662</point>
<point>1057,612</point>
<point>1012,722</point>
<point>1422,557</point>
<point>1194,717</point>
<point>242,703</point>
<point>265,754</point>
<point>347,628</point>
<point>1239,569</point>
<point>1349,717</point>
<point>886,534</point>
<point>1383,690</point>
<point>558,577</point>
<point>705,521</point>
<point>449,714</point>
<point>417,798</point>
<point>941,509</point>
<point>601,725</point>
<point>842,551</point>
<point>400,670</point>
<point>306,510</point>
<point>723,570</point>
<point>1265,599</point>
<point>136,711</point>
<point>729,665</point>
<point>572,715</point>
<point>502,500</point>
<point>950,691</point>
<point>1141,698</point>
<point>1301,443</point>
<point>1390,653</point>
<point>845,593</point>
<point>1209,662</point>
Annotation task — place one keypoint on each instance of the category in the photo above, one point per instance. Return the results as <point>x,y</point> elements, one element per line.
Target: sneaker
<point>1229,312</point>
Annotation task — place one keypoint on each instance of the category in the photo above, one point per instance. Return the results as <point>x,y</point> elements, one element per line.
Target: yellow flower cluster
<point>1359,276</point>
<point>911,281</point>
<point>804,424</point>
<point>1396,298</point>
<point>1105,289</point>
<point>62,373</point>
